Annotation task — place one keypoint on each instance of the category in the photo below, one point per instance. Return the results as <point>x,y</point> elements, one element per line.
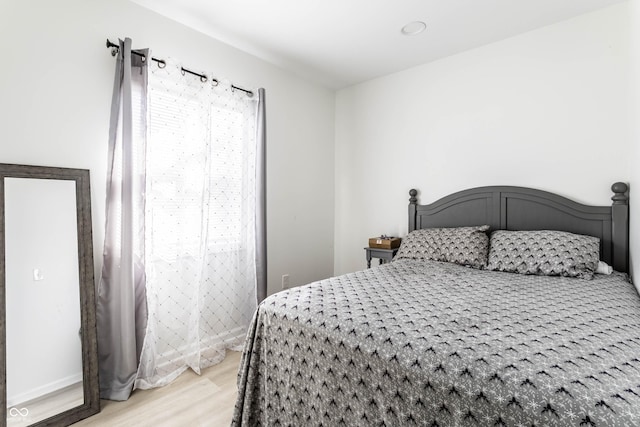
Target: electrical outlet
<point>285,281</point>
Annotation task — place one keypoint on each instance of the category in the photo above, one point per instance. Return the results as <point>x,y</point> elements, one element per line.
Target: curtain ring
<point>162,63</point>
<point>182,71</point>
<point>203,79</point>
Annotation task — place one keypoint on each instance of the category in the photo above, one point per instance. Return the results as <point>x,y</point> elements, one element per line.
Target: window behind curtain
<point>212,144</point>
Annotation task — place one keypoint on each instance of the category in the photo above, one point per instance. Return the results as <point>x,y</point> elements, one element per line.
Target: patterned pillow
<point>462,245</point>
<point>545,253</point>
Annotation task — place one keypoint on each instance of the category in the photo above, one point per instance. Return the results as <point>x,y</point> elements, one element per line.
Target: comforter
<point>437,344</point>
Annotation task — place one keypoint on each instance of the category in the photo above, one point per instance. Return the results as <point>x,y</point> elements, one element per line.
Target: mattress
<point>436,344</point>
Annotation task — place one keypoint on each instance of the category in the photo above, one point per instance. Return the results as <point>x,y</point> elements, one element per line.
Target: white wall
<point>55,84</point>
<point>546,109</point>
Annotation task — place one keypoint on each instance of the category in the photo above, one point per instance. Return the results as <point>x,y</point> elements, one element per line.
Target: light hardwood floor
<point>191,400</point>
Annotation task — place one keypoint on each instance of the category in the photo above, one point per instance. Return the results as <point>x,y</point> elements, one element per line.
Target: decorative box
<point>384,242</point>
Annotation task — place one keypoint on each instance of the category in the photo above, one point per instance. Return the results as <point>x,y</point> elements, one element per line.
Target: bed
<point>435,343</point>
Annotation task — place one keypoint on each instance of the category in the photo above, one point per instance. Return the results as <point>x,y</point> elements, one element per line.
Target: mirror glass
<point>43,323</point>
<point>49,350</point>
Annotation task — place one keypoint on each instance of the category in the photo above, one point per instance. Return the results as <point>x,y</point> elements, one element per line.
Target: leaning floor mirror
<point>47,321</point>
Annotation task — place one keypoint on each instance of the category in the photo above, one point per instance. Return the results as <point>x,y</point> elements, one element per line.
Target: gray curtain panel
<point>261,203</point>
<point>121,301</point>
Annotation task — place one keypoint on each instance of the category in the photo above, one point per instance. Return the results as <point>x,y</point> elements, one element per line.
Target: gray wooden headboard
<point>519,208</point>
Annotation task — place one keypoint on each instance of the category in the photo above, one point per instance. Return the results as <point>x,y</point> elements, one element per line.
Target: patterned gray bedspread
<point>436,344</point>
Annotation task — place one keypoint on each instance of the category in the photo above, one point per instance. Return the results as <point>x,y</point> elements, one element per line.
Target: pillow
<point>544,252</point>
<point>462,245</point>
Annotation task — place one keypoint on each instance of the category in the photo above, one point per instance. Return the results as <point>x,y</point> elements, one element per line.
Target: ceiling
<point>338,43</point>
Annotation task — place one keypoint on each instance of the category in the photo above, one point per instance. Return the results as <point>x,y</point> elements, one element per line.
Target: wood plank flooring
<point>191,400</point>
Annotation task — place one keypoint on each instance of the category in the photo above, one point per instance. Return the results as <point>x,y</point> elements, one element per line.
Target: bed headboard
<point>519,208</point>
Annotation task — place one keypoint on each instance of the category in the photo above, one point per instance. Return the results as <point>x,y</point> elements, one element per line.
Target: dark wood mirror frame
<point>91,403</point>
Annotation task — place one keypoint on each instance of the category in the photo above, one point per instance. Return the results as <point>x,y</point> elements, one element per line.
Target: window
<point>199,172</point>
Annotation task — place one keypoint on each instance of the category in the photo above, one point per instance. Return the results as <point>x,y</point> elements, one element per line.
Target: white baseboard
<point>42,390</point>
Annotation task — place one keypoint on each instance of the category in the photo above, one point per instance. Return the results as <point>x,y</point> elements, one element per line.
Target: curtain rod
<point>162,63</point>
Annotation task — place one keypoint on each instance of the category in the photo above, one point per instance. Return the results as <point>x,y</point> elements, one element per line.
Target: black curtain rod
<point>162,63</point>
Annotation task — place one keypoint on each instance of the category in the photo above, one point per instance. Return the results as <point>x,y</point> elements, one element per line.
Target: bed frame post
<point>413,201</point>
<point>620,226</point>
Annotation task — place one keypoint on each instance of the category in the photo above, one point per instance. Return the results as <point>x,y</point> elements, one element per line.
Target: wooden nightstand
<point>385,255</point>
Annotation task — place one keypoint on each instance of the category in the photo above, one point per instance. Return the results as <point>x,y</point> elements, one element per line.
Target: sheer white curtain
<point>200,241</point>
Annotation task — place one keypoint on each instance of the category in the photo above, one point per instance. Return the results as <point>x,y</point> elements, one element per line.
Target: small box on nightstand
<point>384,242</point>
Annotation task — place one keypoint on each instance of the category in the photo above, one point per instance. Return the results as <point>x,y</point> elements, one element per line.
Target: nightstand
<point>385,255</point>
